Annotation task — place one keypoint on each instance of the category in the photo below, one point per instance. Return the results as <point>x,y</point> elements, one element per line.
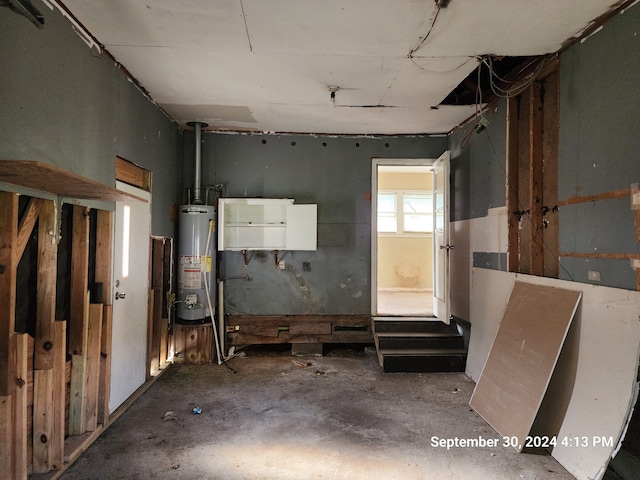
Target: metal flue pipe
<point>197,167</point>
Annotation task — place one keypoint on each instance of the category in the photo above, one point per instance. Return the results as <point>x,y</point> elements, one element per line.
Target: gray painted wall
<point>67,105</point>
<point>335,174</point>
<point>598,153</point>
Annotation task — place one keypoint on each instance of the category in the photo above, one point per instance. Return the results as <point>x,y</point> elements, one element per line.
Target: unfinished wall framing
<point>53,377</point>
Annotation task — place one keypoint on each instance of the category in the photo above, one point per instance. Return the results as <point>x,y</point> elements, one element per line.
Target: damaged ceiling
<point>334,67</point>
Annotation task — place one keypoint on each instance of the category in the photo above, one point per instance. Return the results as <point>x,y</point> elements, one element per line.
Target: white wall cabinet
<point>266,224</point>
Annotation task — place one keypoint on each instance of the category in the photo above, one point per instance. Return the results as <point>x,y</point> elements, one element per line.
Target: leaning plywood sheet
<point>522,358</point>
<point>597,370</point>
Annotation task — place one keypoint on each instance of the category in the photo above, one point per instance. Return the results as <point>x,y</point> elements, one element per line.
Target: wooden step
<point>423,360</point>
<point>420,340</point>
<point>414,325</point>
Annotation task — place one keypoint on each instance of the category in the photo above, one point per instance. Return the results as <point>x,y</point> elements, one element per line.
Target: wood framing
<point>532,171</point>
<point>56,442</point>
<point>20,410</point>
<point>42,419</point>
<point>46,287</point>
<point>8,266</point>
<point>92,368</point>
<point>194,343</point>
<point>105,365</point>
<point>261,329</point>
<point>77,392</point>
<point>132,174</point>
<point>512,183</point>
<point>27,223</point>
<point>79,281</point>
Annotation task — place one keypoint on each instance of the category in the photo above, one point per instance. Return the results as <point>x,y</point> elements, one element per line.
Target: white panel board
<point>302,227</point>
<point>603,387</point>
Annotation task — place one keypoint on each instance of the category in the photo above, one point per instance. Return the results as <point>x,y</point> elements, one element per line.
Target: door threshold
<point>417,318</point>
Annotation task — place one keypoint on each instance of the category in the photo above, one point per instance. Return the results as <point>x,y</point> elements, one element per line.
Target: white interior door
<point>131,285</point>
<point>441,247</point>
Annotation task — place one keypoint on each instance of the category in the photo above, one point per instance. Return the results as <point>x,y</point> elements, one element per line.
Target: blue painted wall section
<point>65,104</point>
<point>332,172</point>
<point>598,153</point>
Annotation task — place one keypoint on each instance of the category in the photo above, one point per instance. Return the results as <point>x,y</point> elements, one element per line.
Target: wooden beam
<point>27,223</point>
<point>105,365</point>
<point>512,183</point>
<point>609,256</point>
<point>132,174</point>
<point>625,192</point>
<point>8,266</point>
<point>46,287</point>
<point>536,173</point>
<point>92,370</point>
<point>79,280</point>
<point>20,407</point>
<point>6,433</point>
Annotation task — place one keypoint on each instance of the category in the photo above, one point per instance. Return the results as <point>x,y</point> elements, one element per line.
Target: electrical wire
<point>424,39</point>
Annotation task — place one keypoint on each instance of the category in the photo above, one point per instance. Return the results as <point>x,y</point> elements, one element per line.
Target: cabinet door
<point>302,230</point>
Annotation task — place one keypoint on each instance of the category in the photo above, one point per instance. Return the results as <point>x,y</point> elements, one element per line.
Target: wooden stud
<point>42,419</point>
<point>79,280</point>
<point>77,393</point>
<point>150,303</point>
<point>512,183</point>
<point>6,433</point>
<point>536,177</point>
<point>156,332</point>
<point>56,442</point>
<point>92,366</point>
<point>550,142</point>
<point>46,288</point>
<point>20,406</point>
<point>524,178</point>
<point>27,223</point>
<point>104,260</point>
<point>105,365</point>
<point>8,266</point>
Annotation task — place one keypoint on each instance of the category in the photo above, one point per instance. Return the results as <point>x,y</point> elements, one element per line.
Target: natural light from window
<point>403,212</point>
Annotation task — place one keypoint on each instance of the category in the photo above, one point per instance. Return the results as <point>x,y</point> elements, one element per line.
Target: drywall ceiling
<point>268,66</point>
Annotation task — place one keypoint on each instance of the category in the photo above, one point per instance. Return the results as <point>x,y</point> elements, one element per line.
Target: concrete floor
<point>283,417</point>
<point>407,303</point>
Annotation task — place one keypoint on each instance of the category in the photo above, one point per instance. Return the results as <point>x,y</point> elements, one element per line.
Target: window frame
<point>400,213</point>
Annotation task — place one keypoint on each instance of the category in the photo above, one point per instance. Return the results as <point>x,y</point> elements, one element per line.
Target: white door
<point>441,246</point>
<point>131,287</point>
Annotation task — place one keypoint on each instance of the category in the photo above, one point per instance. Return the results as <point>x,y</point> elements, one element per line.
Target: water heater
<point>195,299</point>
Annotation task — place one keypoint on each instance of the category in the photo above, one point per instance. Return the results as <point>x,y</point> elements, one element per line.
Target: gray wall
<point>67,105</point>
<point>598,153</point>
<point>335,174</point>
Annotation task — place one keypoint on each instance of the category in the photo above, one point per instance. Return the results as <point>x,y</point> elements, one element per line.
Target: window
<point>405,212</point>
<point>387,212</point>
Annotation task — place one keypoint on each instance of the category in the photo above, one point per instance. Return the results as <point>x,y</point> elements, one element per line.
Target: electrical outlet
<point>594,276</point>
<point>281,265</point>
<point>306,266</point>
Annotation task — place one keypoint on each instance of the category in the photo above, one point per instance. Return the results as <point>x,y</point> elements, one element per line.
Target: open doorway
<point>402,238</point>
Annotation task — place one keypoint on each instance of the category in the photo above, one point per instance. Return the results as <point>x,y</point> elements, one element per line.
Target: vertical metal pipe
<point>197,167</point>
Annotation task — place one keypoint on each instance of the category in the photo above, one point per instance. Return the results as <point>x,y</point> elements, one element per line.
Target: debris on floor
<point>170,415</point>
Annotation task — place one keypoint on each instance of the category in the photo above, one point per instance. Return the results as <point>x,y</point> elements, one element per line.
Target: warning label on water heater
<point>189,272</point>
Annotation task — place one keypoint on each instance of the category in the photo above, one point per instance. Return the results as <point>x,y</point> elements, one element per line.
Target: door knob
<point>120,295</point>
<point>446,247</point>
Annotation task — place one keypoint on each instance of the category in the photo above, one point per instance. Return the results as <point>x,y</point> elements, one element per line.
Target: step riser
<point>414,327</point>
<point>401,343</point>
<point>440,363</point>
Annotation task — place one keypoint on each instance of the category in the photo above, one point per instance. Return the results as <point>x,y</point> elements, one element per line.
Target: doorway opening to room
<point>409,239</point>
<point>403,257</point>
